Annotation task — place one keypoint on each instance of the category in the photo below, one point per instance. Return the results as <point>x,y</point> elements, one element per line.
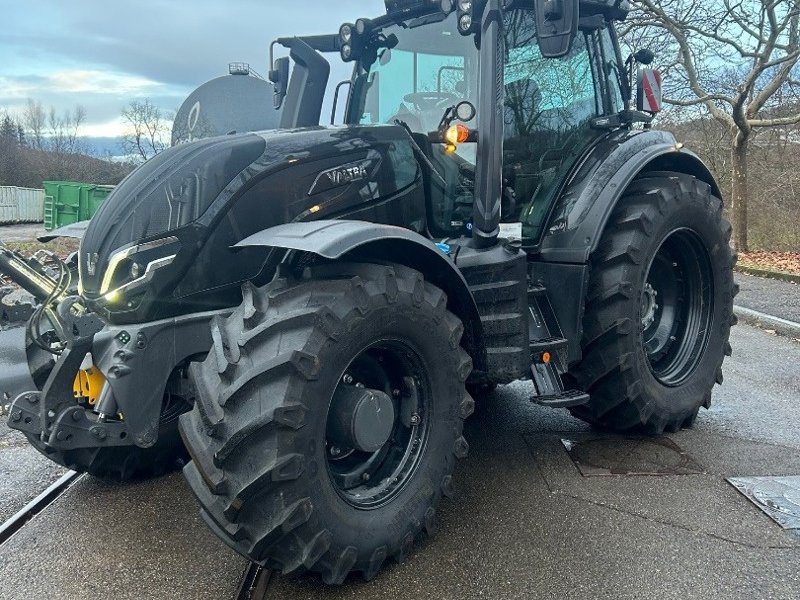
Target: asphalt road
<point>24,473</point>
<point>525,523</point>
<point>770,296</point>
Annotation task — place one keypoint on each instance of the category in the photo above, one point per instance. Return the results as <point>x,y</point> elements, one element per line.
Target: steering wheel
<point>425,101</point>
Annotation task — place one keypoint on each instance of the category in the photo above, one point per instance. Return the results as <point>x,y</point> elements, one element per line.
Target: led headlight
<point>131,268</point>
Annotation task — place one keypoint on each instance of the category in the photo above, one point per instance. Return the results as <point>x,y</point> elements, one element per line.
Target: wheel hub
<point>649,305</point>
<point>361,418</point>
<point>377,424</point>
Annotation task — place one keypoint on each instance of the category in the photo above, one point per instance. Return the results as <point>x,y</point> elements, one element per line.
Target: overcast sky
<point>103,53</point>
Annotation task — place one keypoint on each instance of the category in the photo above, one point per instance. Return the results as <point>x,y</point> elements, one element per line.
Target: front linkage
<point>136,362</point>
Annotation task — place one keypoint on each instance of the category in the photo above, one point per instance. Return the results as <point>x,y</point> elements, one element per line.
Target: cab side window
<point>549,107</point>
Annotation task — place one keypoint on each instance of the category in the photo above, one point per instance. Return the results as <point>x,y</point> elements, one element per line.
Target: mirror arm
<point>624,118</point>
<point>624,82</point>
<point>272,75</point>
<point>448,118</point>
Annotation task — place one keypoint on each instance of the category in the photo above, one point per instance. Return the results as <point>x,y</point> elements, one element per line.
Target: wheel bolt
<point>365,477</point>
<point>415,420</point>
<point>16,416</point>
<point>335,451</point>
<point>348,379</point>
<point>396,393</point>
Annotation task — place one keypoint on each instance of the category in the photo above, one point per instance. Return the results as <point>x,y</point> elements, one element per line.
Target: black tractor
<point>317,307</point>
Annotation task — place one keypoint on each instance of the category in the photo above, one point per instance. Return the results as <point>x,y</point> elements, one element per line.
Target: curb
<point>781,326</point>
<point>766,273</point>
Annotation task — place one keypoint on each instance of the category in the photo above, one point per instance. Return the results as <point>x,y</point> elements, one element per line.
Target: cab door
<point>550,109</point>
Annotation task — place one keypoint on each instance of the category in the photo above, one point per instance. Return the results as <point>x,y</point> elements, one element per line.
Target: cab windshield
<point>431,69</point>
<point>549,106</point>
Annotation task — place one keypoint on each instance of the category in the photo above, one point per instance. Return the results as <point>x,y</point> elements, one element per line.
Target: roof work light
<point>466,17</point>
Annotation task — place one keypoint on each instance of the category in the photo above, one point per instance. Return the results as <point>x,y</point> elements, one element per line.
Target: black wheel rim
<point>677,307</point>
<point>370,480</point>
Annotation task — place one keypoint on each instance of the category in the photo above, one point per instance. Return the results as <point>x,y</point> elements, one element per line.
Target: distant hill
<point>101,147</point>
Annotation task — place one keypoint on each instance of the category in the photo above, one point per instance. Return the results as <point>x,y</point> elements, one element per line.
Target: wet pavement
<point>104,540</point>
<point>24,473</point>
<point>526,523</point>
<point>770,296</point>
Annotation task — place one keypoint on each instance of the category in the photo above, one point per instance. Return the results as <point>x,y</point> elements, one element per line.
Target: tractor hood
<point>163,238</point>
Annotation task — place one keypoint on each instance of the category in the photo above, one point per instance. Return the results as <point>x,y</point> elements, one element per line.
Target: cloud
<point>101,82</point>
<point>101,54</point>
<point>78,82</point>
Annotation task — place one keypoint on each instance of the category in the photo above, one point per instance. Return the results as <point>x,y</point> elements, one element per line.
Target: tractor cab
<point>564,86</point>
<point>426,65</point>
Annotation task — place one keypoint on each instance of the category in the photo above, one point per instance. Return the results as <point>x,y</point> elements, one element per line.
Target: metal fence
<point>21,205</point>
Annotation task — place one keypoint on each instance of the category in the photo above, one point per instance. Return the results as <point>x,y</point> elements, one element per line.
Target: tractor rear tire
<point>659,308</point>
<point>272,483</point>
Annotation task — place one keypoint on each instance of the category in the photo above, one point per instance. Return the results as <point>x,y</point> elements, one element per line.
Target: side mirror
<point>556,26</point>
<point>649,96</point>
<point>280,77</point>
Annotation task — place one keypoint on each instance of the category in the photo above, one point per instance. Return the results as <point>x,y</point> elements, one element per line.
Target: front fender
<point>75,231</point>
<point>585,206</point>
<point>334,239</point>
<point>364,241</point>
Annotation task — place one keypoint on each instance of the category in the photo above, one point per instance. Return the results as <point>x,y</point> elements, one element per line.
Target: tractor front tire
<point>277,476</point>
<point>659,308</point>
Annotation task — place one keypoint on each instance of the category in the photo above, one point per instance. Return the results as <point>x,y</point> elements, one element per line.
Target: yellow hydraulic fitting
<point>88,384</point>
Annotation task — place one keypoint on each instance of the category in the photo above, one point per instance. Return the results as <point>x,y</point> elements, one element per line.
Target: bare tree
<point>147,129</point>
<point>63,134</point>
<point>35,121</point>
<point>737,60</point>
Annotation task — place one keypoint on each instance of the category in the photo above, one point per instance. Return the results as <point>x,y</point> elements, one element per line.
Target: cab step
<point>553,345</point>
<point>568,399</point>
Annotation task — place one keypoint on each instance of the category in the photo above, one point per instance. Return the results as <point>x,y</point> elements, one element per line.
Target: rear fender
<point>363,241</point>
<point>585,206</point>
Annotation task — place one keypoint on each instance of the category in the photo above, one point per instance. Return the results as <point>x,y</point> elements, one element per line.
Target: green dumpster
<point>67,202</point>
